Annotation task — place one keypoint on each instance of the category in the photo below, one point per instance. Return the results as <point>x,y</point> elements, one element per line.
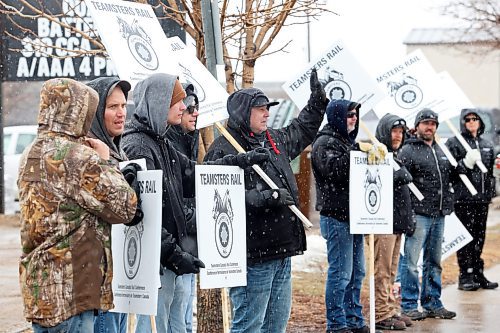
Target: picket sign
<point>454,162</point>
<point>307,224</point>
<point>395,165</point>
<point>465,144</point>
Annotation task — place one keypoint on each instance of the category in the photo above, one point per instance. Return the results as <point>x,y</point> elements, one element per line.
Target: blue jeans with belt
<point>265,303</point>
<point>346,270</point>
<point>428,236</point>
<point>80,323</point>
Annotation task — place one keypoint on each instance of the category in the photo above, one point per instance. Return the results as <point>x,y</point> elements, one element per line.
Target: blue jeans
<point>429,237</point>
<point>346,270</point>
<point>80,323</point>
<point>110,322</point>
<point>169,311</point>
<point>188,281</point>
<point>264,304</point>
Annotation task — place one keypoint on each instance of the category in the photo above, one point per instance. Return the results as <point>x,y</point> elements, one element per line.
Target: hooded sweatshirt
<point>272,232</point>
<point>403,218</point>
<point>330,158</point>
<point>98,128</point>
<point>66,191</point>
<point>484,183</point>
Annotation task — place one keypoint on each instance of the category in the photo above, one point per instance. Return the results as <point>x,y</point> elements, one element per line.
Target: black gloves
<point>256,156</point>
<point>130,174</point>
<point>402,177</point>
<point>317,91</point>
<point>269,198</point>
<point>175,259</point>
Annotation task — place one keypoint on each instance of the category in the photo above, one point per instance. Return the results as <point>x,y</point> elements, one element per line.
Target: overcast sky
<point>373,30</point>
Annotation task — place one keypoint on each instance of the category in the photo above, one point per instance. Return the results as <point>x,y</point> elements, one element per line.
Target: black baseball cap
<point>124,85</point>
<point>426,115</point>
<point>262,100</point>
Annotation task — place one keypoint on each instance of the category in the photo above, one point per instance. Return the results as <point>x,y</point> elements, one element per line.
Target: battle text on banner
<point>221,225</point>
<point>136,252</point>
<point>370,195</point>
<point>133,38</point>
<point>211,95</point>
<point>342,77</point>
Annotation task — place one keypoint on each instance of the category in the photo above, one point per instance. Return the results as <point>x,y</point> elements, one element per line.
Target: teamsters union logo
<point>372,191</point>
<point>223,216</point>
<point>132,253</point>
<point>139,44</point>
<point>198,89</point>
<point>334,85</point>
<point>406,92</point>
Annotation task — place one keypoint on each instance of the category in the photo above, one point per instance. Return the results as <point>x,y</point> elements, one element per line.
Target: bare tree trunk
<point>209,311</point>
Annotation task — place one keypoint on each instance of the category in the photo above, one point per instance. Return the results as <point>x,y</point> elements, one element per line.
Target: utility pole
<point>213,39</point>
<point>2,70</point>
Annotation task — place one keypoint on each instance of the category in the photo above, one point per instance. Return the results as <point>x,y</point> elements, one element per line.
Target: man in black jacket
<point>274,233</point>
<point>391,132</point>
<point>472,211</point>
<point>159,104</point>
<point>185,138</point>
<point>432,174</point>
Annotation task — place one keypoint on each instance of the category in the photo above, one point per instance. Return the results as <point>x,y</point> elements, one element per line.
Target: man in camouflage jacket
<point>68,187</point>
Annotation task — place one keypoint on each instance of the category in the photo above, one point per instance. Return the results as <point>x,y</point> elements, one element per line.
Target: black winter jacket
<point>330,162</point>
<point>483,182</point>
<point>403,217</point>
<point>432,174</point>
<point>272,232</point>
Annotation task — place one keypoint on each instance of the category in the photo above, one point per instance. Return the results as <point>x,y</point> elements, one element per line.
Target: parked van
<point>15,140</point>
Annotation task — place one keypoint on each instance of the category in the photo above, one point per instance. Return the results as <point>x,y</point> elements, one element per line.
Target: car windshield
<point>6,140</point>
<point>23,141</point>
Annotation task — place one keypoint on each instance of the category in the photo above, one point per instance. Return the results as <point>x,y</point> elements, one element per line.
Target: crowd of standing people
<point>72,190</point>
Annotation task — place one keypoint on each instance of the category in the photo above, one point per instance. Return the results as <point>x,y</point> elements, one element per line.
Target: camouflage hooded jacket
<point>66,192</point>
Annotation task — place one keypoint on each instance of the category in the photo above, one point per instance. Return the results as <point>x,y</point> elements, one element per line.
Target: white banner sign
<point>370,195</point>
<point>342,77</point>
<point>221,225</point>
<point>133,38</point>
<point>411,85</point>
<point>211,94</point>
<point>454,98</point>
<point>136,252</point>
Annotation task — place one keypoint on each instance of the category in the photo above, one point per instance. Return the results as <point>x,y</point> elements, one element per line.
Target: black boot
<point>484,283</point>
<point>466,282</point>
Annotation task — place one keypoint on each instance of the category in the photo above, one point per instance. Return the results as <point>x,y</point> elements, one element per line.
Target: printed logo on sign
<point>372,191</point>
<point>198,89</point>
<point>334,85</point>
<point>406,93</point>
<point>132,254</point>
<point>139,44</point>
<point>223,215</point>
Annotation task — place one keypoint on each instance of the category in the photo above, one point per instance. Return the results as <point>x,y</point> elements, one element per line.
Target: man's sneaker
<point>440,313</point>
<point>466,282</point>
<point>364,329</point>
<point>391,324</point>
<point>404,319</point>
<point>342,330</point>
<point>415,315</point>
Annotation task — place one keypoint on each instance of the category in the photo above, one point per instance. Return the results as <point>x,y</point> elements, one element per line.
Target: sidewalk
<point>477,311</point>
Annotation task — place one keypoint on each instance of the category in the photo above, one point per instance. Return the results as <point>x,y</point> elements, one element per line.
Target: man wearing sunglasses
<point>274,233</point>
<point>185,138</point>
<point>472,211</point>
<point>330,159</point>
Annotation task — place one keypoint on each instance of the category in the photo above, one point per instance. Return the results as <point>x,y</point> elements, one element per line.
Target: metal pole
<point>219,54</point>
<point>2,69</point>
<point>208,32</point>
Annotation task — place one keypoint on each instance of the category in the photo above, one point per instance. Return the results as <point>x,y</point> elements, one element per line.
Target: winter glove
<point>402,177</point>
<point>317,91</point>
<point>269,198</point>
<point>130,174</point>
<point>184,263</point>
<point>256,156</point>
<point>471,158</point>
<point>364,146</point>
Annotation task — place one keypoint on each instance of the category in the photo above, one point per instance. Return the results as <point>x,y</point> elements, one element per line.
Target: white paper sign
<point>211,94</point>
<point>133,38</point>
<point>454,98</point>
<point>221,225</point>
<point>136,252</point>
<point>411,85</point>
<point>370,195</point>
<point>342,77</point>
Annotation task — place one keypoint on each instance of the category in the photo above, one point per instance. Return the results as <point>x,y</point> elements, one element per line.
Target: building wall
<point>475,71</point>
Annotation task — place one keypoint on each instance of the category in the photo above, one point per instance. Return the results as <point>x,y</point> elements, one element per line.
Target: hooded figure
<point>158,102</point>
<point>391,132</point>
<point>104,87</point>
<point>473,210</point>
<point>274,233</point>
<point>67,191</point>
